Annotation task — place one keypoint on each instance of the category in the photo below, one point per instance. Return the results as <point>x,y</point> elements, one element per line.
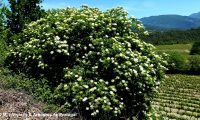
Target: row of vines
<point>179,98</point>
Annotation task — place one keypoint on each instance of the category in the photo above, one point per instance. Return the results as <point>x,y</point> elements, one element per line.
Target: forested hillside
<point>173,37</point>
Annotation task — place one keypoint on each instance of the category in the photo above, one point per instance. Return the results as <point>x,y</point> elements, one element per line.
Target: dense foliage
<point>172,37</point>
<point>195,50</point>
<point>95,61</point>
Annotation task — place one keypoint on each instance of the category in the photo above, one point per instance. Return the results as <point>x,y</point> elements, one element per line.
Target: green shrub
<point>194,62</point>
<point>94,60</point>
<point>39,89</point>
<point>195,50</point>
<point>177,63</point>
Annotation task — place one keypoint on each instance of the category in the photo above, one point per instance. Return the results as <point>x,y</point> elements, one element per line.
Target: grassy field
<point>181,48</point>
<point>179,97</point>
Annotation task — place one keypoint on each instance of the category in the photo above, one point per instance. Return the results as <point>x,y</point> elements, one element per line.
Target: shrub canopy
<point>94,59</point>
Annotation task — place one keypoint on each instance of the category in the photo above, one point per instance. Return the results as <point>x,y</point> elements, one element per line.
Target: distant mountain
<point>158,28</point>
<point>171,22</point>
<point>195,15</point>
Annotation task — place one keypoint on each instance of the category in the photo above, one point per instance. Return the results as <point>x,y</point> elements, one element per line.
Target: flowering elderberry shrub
<point>94,60</point>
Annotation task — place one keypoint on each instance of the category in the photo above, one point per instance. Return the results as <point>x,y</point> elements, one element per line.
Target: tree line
<point>18,13</point>
<point>172,37</point>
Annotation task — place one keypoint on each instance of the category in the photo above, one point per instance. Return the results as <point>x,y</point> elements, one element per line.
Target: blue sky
<point>137,8</point>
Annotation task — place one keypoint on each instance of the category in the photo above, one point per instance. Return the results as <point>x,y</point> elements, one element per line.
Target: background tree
<point>195,50</point>
<point>2,15</point>
<point>1,22</point>
<point>23,12</point>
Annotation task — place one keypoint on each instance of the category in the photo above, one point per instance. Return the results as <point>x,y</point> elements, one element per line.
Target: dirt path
<point>20,106</point>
